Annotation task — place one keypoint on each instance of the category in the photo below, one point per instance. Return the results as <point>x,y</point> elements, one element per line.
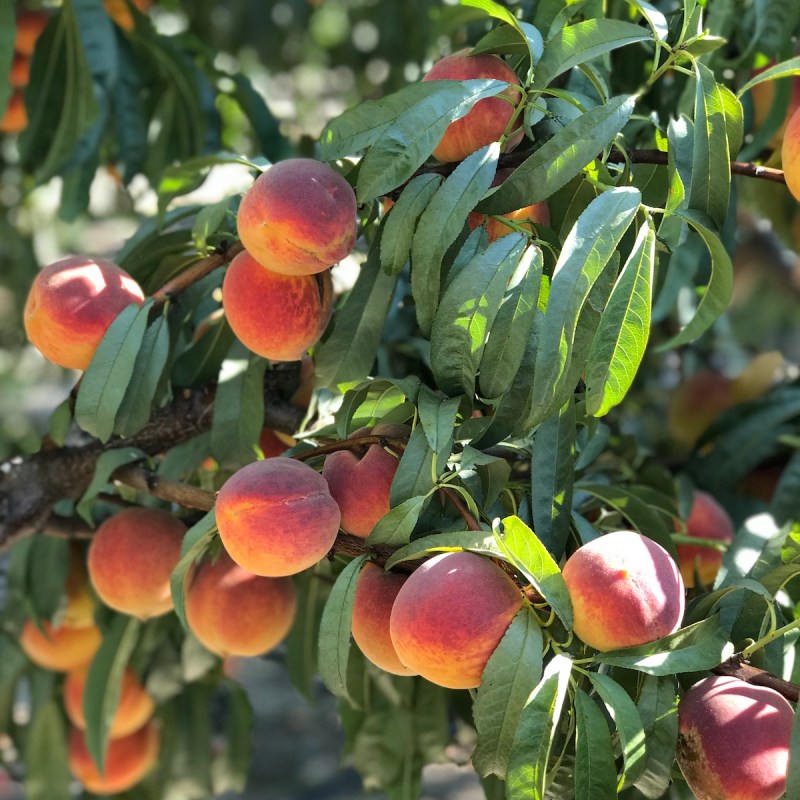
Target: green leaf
<point>529,759</point>
<point>47,567</point>
<point>467,312</point>
<point>529,35</point>
<point>47,775</point>
<point>511,674</point>
<point>734,119</point>
<point>552,478</point>
<point>208,221</point>
<point>407,142</point>
<point>230,767</point>
<point>560,158</point>
<point>104,467</point>
<point>264,124</point>
<point>395,527</point>
<point>440,224</point>
<point>783,69</point>
<point>348,353</point>
<point>474,541</point>
<point>60,420</point>
<point>302,641</point>
<point>334,629</point>
<point>526,552</point>
<point>7,32</point>
<point>415,473</point>
<point>12,665</point>
<point>398,230</point>
<point>697,647</point>
<point>438,418</point>
<point>793,773</point>
<point>579,43</point>
<point>102,690</point>
<point>595,771</point>
<point>783,505</point>
<point>658,710</point>
<point>619,344</point>
<point>106,380</point>
<point>195,543</point>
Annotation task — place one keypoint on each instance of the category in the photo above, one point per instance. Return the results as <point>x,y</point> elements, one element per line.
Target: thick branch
<point>734,667</point>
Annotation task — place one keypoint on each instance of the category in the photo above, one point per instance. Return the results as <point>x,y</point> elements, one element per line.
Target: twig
<point>461,507</point>
<point>174,492</point>
<point>735,667</point>
<point>356,443</point>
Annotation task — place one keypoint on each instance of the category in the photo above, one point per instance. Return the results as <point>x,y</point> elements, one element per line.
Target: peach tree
<point>481,409</point>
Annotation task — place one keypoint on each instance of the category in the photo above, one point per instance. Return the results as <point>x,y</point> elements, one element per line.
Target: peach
<point>487,120</point>
<point>276,517</point>
<point>128,760</point>
<point>360,482</point>
<point>536,214</point>
<point>626,590</point>
<point>131,558</point>
<point>15,118</point>
<point>20,73</point>
<point>763,96</point>
<point>118,11</point>
<point>60,649</point>
<point>71,304</point>
<point>273,443</point>
<point>79,608</point>
<point>450,615</point>
<point>707,520</point>
<point>30,26</point>
<point>790,155</point>
<point>135,706</point>
<point>298,218</point>
<point>276,316</point>
<point>696,403</point>
<point>236,613</point>
<point>733,741</point>
<point>376,591</point>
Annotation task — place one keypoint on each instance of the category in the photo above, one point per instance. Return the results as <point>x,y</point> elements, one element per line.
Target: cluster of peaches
<point>30,25</point>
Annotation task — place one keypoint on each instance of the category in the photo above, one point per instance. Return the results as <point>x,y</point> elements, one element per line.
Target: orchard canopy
<point>442,357</point>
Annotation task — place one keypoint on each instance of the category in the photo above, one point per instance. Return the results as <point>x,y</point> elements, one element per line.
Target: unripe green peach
<point>236,613</point>
<point>71,305</point>
<point>376,591</point>
<point>276,316</point>
<point>488,118</point>
<point>450,615</point>
<point>131,558</point>
<point>707,520</point>
<point>298,218</point>
<point>276,517</point>
<point>60,649</point>
<point>626,590</point>
<point>733,740</point>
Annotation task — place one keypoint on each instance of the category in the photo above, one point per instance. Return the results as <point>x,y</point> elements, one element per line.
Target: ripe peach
<point>30,26</point>
<point>707,520</point>
<point>128,760</point>
<point>360,482</point>
<point>131,558</point>
<point>734,740</point>
<point>276,517</point>
<point>135,707</point>
<point>71,304</point>
<point>376,591</point>
<point>273,443</point>
<point>60,649</point>
<point>626,590</point>
<point>790,155</point>
<point>15,118</point>
<point>20,73</point>
<point>118,11</point>
<point>487,120</point>
<point>236,613</point>
<point>276,316</point>
<point>79,610</point>
<point>450,615</point>
<point>696,403</point>
<point>536,214</point>
<point>298,218</point>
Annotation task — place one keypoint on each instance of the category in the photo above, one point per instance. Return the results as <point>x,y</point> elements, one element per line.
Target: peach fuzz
<point>626,590</point>
<point>71,304</point>
<point>59,649</point>
<point>15,118</point>
<point>707,520</point>
<point>30,26</point>
<point>487,120</point>
<point>276,316</point>
<point>450,615</point>
<point>128,760</point>
<point>376,591</point>
<point>135,706</point>
<point>131,558</point>
<point>298,218</point>
<point>790,155</point>
<point>733,741</point>
<point>236,613</point>
<point>276,517</point>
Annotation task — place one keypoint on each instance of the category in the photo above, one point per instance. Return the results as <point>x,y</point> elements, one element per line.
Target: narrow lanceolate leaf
<point>561,158</point>
<point>105,382</point>
<point>782,70</point>
<point>552,478</point>
<point>414,475</point>
<point>395,527</point>
<point>658,710</point>
<point>440,224</point>
<point>195,542</point>
<point>438,418</point>
<point>623,711</point>
<point>334,629</point>
<point>620,341</point>
<point>524,550</point>
<point>717,294</point>
<point>405,144</point>
<point>7,31</point>
<point>102,691</point>
<point>474,541</point>
<point>398,230</point>
<point>527,32</point>
<point>104,467</point>
<point>589,246</point>
<point>511,331</point>
<point>528,761</point>
<point>467,312</point>
<point>47,775</point>
<point>579,43</point>
<point>511,674</point>
<point>734,119</point>
<point>595,771</point>
<point>711,157</point>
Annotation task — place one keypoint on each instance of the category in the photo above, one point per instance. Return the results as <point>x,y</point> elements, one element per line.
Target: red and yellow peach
<point>60,649</point>
<point>707,520</point>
